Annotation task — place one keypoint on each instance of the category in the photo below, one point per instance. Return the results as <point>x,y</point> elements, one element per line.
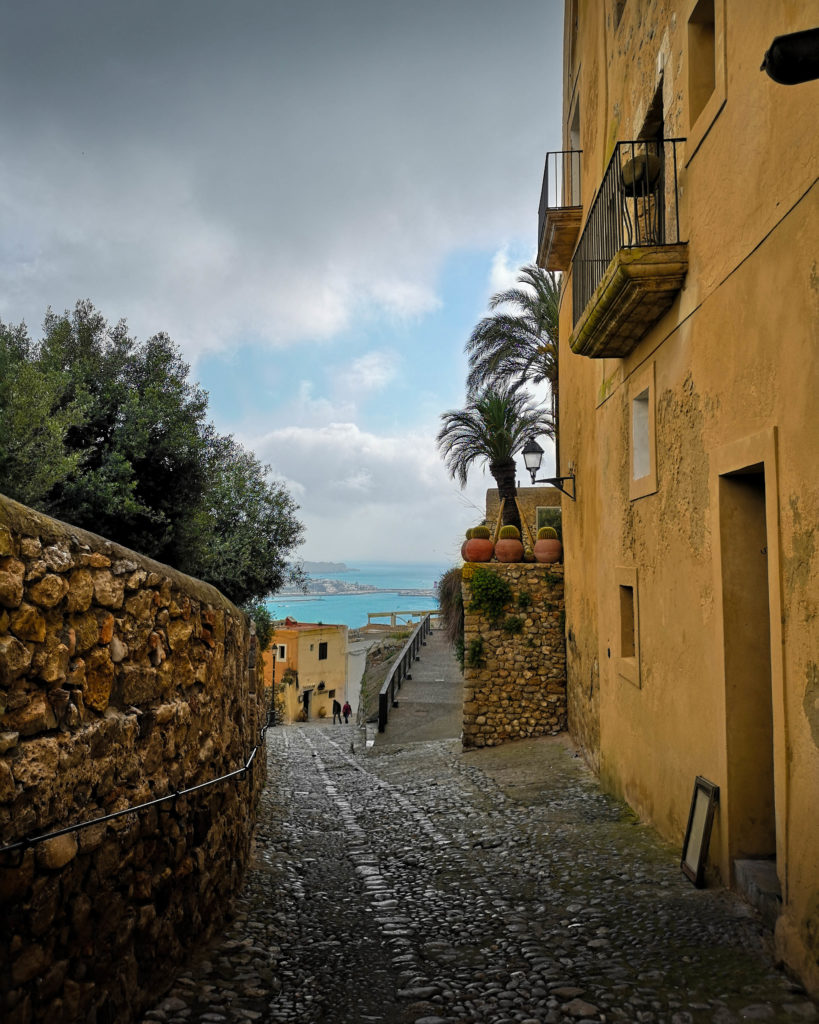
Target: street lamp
<point>532,457</point>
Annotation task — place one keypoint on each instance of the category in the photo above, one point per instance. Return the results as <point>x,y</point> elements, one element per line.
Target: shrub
<point>524,600</point>
<point>475,658</point>
<point>512,624</point>
<point>490,593</point>
<point>451,605</point>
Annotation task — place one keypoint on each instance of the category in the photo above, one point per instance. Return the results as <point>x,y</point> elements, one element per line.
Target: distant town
<point>323,586</point>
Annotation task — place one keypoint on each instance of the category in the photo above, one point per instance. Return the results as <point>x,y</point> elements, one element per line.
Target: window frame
<point>627,665</point>
<point>322,650</point>
<point>642,383</point>
<point>700,124</point>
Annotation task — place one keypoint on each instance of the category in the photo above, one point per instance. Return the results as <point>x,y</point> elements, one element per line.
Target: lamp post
<point>532,457</point>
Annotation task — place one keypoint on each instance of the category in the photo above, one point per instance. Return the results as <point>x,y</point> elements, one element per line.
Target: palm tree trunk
<point>556,423</point>
<point>504,474</point>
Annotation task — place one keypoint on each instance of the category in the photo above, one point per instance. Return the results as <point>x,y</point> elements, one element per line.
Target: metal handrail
<point>560,188</point>
<point>28,841</point>
<point>401,669</point>
<point>636,205</point>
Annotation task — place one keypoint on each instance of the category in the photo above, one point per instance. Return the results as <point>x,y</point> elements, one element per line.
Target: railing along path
<point>402,669</point>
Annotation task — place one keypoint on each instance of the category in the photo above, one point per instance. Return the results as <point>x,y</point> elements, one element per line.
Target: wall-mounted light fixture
<point>532,457</point>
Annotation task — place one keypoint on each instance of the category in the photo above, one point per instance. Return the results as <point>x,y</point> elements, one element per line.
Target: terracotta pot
<point>508,549</point>
<point>548,550</point>
<point>478,549</point>
<point>463,549</point>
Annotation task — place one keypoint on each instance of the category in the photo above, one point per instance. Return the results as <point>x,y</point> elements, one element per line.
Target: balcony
<point>560,211</point>
<point>629,263</point>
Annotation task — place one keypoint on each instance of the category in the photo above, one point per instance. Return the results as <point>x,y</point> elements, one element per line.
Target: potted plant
<point>463,546</point>
<point>509,547</point>
<point>479,547</point>
<point>547,547</point>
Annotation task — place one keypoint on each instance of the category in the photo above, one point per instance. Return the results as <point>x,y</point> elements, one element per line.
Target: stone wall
<point>515,666</point>
<point>121,681</point>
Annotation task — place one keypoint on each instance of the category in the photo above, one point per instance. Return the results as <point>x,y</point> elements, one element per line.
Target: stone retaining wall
<point>121,681</point>
<point>515,682</point>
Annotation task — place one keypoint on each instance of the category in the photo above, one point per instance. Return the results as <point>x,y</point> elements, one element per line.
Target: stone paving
<point>418,884</point>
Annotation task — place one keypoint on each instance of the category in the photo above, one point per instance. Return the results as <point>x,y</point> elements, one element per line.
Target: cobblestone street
<point>421,885</point>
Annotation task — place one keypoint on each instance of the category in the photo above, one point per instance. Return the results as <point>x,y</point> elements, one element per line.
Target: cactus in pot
<point>479,547</point>
<point>547,547</point>
<point>509,547</point>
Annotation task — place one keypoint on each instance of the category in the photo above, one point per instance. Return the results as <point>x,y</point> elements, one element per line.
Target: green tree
<point>33,424</point>
<point>492,428</point>
<point>242,528</point>
<point>111,435</point>
<point>142,439</point>
<point>517,343</point>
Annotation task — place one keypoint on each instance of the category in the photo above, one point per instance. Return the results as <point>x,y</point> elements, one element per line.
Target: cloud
<point>363,494</point>
<point>370,372</point>
<point>262,169</point>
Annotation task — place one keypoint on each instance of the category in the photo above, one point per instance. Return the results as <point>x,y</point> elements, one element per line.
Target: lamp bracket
<point>557,481</point>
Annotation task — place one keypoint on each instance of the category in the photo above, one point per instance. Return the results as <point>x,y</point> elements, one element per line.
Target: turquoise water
<point>351,609</point>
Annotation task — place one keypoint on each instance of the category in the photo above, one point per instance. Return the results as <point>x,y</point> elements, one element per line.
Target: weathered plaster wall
<point>529,499</point>
<point>121,681</point>
<point>735,381</point>
<point>517,687</point>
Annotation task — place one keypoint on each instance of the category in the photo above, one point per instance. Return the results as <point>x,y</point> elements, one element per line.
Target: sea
<point>351,609</point>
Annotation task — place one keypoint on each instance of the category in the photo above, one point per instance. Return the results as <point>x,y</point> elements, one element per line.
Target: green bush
<point>474,657</point>
<point>524,600</point>
<point>490,593</point>
<point>512,624</point>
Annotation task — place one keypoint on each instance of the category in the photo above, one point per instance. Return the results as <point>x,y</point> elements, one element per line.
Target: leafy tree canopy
<point>111,435</point>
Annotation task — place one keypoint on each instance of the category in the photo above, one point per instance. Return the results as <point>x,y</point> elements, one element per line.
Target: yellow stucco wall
<point>319,677</point>
<point>732,373</point>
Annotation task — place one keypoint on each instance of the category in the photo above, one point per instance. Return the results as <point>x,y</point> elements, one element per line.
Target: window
<point>281,652</point>
<point>643,455</point>
<point>323,651</point>
<point>549,515</point>
<point>701,58</point>
<point>627,644</point>
<point>705,74</point>
<point>331,693</point>
<point>627,649</point>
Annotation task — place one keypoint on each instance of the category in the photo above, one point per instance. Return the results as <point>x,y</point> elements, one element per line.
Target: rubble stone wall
<point>121,681</point>
<point>515,663</point>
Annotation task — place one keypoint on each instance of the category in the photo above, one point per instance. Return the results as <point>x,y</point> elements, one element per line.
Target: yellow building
<point>681,207</point>
<point>307,663</point>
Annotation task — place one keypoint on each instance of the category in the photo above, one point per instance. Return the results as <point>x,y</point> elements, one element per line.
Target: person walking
<point>336,712</point>
<point>346,711</point>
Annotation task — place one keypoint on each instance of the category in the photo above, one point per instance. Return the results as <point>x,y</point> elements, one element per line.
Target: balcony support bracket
<point>638,287</point>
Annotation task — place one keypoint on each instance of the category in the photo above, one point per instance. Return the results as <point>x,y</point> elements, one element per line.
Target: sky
<point>314,199</point>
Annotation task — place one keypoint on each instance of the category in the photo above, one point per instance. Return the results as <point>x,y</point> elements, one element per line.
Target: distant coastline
<point>324,587</point>
<point>323,567</point>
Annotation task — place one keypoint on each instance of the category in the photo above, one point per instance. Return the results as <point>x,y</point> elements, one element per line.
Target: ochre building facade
<point>681,210</point>
<point>307,663</point>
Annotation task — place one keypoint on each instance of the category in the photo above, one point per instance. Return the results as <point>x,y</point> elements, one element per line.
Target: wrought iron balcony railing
<point>636,205</point>
<point>559,211</point>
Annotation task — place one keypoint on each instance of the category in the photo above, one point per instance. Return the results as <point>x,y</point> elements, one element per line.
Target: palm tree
<point>492,428</point>
<point>519,347</point>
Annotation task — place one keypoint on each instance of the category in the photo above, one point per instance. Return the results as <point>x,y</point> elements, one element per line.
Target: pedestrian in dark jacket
<point>336,712</point>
